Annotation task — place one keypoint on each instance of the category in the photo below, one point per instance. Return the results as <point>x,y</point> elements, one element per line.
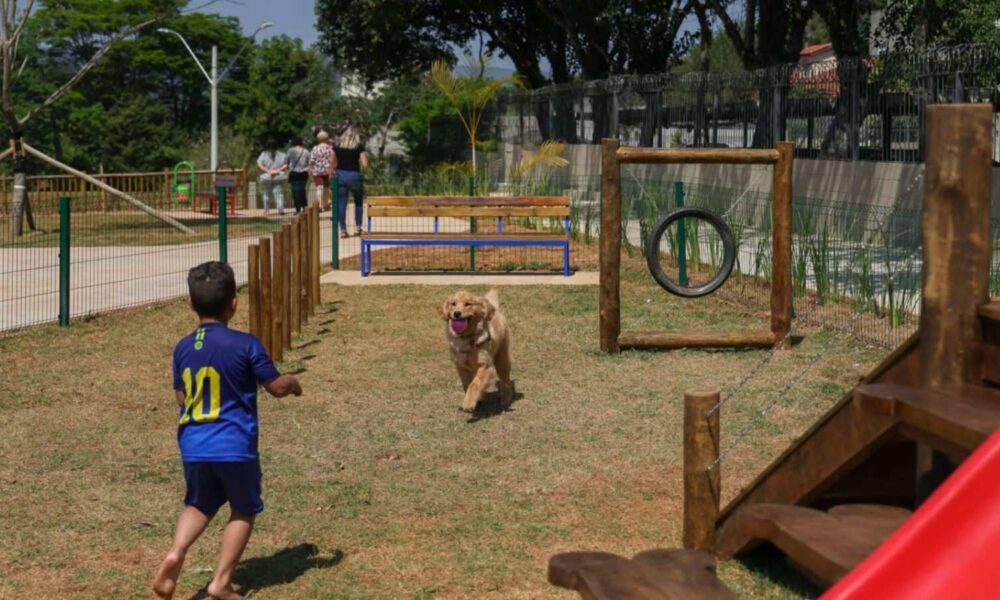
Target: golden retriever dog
<point>479,338</point>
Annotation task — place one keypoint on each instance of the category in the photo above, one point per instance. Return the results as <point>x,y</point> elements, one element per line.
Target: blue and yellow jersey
<point>218,369</point>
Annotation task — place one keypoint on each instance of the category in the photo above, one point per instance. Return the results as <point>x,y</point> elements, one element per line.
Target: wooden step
<point>963,415</point>
<point>653,574</point>
<point>841,440</point>
<point>823,545</point>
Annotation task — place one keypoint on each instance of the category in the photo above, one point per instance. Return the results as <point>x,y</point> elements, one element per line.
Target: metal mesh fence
<point>861,109</point>
<point>120,256</point>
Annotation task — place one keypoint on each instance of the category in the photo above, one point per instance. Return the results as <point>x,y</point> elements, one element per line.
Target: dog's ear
<point>443,310</point>
<point>488,309</point>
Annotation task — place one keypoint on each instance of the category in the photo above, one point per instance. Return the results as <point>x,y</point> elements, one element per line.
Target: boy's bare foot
<point>223,592</point>
<point>165,581</point>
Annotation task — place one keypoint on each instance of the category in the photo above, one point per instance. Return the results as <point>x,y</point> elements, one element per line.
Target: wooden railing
<point>154,189</point>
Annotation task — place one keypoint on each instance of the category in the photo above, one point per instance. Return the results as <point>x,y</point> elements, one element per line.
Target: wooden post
<point>314,260</point>
<point>286,286</point>
<point>166,189</point>
<point>611,245</point>
<point>265,295</point>
<point>253,288</point>
<point>295,302</point>
<point>702,487</point>
<point>306,258</point>
<point>781,240</point>
<point>956,267</point>
<point>277,296</point>
<point>956,225</point>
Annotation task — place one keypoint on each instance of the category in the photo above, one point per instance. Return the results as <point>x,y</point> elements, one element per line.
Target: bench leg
<point>361,259</point>
<point>566,260</point>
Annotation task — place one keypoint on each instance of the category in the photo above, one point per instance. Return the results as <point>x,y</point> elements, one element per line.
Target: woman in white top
<point>273,165</point>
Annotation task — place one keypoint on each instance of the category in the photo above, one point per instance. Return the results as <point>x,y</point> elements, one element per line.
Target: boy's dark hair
<point>212,286</point>
<point>296,140</point>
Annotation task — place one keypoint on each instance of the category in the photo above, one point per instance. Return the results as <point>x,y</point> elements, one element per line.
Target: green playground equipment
<point>183,187</point>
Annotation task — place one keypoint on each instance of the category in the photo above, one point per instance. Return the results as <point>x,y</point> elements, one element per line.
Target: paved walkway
<point>113,277</point>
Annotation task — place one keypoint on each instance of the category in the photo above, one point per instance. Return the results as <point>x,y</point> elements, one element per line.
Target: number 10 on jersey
<point>194,403</point>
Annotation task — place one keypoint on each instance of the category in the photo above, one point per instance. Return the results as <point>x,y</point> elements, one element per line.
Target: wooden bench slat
<point>467,201</point>
<point>465,236</point>
<point>476,211</point>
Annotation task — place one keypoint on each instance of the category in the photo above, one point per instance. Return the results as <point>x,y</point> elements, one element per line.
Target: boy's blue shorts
<point>212,484</point>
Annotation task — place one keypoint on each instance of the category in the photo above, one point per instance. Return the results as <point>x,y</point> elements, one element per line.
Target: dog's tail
<point>493,296</point>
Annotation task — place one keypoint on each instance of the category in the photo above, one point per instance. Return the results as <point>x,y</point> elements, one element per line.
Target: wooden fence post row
<point>283,282</point>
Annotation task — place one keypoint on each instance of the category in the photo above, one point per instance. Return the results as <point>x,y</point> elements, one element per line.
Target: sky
<point>294,18</point>
<point>297,18</point>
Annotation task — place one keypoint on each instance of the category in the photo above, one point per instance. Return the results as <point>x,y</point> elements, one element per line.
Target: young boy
<point>216,372</point>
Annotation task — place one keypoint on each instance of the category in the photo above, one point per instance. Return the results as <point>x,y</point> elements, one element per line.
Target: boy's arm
<point>180,398</point>
<point>284,385</point>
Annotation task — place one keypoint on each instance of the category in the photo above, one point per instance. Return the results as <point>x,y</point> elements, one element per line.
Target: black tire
<point>653,251</point>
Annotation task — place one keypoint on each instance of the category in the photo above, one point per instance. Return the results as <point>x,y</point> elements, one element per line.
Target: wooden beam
<point>957,250</point>
<point>702,479</point>
<point>314,261</point>
<point>781,240</point>
<point>470,211</point>
<point>304,267</point>
<point>956,234</point>
<point>611,246</point>
<point>266,305</point>
<point>295,301</point>
<point>100,184</point>
<point>253,288</point>
<point>467,201</point>
<point>277,297</point>
<point>715,156</point>
<point>673,340</point>
<point>286,285</point>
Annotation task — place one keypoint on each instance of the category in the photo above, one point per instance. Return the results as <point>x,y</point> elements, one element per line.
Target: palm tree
<point>469,97</point>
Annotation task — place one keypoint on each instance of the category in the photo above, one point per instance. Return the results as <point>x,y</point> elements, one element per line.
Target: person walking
<point>298,173</point>
<point>350,160</point>
<point>321,169</point>
<point>273,166</point>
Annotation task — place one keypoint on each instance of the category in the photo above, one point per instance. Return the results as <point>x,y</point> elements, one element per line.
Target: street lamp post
<point>213,82</point>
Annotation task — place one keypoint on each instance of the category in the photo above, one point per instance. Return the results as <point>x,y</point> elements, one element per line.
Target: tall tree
<point>286,87</point>
<point>381,39</point>
<point>908,24</point>
<point>772,32</point>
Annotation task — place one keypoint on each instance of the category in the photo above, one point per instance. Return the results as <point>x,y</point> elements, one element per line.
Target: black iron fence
<point>857,109</point>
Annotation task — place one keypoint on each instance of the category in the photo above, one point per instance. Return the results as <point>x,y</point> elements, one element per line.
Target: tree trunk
<point>564,128</point>
<point>18,199</point>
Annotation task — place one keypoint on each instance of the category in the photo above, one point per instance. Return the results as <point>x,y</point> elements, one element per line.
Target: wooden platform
<point>650,575</point>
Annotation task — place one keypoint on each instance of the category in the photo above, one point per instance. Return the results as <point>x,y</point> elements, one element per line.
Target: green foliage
<point>385,39</point>
<point>288,85</point>
<point>135,109</point>
<point>722,58</point>
<point>429,131</point>
<point>911,23</point>
<point>468,97</point>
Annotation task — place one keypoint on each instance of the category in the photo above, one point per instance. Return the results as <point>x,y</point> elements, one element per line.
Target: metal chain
<point>776,397</point>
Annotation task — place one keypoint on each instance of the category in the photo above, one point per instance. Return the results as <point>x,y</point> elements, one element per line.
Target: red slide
<point>949,548</point>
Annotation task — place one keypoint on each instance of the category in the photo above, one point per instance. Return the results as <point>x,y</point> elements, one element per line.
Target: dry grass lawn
<point>376,485</point>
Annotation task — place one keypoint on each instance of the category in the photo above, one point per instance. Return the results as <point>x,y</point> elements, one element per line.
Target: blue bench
<point>471,212</point>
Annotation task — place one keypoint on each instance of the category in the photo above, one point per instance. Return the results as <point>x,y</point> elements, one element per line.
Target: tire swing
<point>703,220</point>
